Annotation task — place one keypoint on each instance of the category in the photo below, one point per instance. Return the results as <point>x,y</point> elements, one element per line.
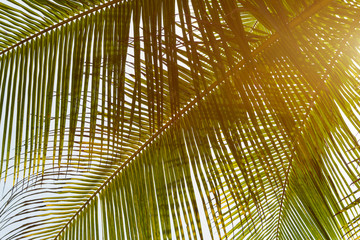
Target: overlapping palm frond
<point>180,119</point>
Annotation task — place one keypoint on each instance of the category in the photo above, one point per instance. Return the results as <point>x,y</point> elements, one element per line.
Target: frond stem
<point>59,25</point>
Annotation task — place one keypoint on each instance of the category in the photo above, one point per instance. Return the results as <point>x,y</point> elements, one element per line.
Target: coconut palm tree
<point>180,119</point>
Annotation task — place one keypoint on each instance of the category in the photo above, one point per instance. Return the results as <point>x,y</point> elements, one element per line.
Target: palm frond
<point>182,119</point>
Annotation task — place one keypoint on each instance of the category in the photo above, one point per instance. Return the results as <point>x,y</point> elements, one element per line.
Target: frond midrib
<point>63,22</point>
<point>306,14</point>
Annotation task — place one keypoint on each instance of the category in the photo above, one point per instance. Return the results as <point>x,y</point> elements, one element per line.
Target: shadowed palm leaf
<point>187,119</point>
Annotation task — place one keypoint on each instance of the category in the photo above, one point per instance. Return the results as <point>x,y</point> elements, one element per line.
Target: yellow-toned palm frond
<point>181,119</point>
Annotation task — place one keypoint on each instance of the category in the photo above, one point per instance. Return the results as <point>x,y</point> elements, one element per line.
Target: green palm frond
<point>216,119</point>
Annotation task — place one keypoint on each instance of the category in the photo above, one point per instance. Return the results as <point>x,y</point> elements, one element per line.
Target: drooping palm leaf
<point>182,119</point>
